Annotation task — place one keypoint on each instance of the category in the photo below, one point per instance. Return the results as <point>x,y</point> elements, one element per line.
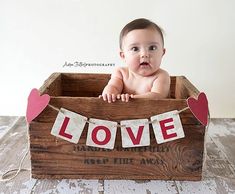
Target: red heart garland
<point>199,108</point>
<point>36,104</point>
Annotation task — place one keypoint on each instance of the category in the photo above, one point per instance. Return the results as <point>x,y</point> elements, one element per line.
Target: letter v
<point>136,140</point>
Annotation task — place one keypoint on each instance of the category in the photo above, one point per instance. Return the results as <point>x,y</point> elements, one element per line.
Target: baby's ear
<point>164,51</point>
<point>121,53</point>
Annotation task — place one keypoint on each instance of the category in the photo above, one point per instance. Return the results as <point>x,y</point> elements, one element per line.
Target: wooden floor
<point>218,170</point>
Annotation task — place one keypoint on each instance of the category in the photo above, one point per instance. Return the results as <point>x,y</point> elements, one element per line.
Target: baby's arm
<point>114,87</point>
<point>160,88</point>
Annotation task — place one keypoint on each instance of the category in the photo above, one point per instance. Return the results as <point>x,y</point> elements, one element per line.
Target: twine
<point>53,107</point>
<point>184,109</point>
<point>118,125</point>
<point>3,177</point>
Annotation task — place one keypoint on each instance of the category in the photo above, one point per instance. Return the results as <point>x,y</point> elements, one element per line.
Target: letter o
<point>94,135</point>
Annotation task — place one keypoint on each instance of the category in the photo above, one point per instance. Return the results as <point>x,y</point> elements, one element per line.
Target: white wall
<point>37,37</point>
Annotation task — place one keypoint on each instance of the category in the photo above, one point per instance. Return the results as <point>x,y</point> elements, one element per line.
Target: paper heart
<point>36,104</point>
<point>199,108</point>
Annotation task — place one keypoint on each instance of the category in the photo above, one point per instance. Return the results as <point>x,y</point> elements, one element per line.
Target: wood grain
<point>55,158</point>
<point>52,86</point>
<point>12,148</point>
<point>218,176</point>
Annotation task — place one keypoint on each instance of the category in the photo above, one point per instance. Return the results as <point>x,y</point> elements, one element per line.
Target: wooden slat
<point>219,177</point>
<point>222,133</point>
<point>6,123</point>
<point>52,157</point>
<point>68,186</point>
<point>172,87</point>
<point>172,160</point>
<point>139,187</point>
<point>184,88</point>
<point>84,85</point>
<point>191,89</point>
<point>52,86</point>
<point>97,108</point>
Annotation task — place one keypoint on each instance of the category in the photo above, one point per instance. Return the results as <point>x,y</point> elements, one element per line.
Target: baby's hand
<point>112,97</point>
<point>109,97</point>
<point>125,97</point>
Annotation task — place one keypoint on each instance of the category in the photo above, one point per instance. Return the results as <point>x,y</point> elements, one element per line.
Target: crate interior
<point>91,85</point>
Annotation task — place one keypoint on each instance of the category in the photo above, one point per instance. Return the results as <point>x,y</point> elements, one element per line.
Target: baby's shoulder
<point>120,72</point>
<point>162,76</point>
<point>162,73</point>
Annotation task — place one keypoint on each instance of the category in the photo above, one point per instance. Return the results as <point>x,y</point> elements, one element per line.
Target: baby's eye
<point>153,47</point>
<point>135,48</point>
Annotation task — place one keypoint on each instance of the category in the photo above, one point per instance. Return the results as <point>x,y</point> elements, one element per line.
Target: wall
<point>38,37</point>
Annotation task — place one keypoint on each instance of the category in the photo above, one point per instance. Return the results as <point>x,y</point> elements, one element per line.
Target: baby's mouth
<point>144,64</point>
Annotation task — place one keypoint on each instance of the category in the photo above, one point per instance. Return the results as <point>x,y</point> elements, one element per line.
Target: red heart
<point>199,108</point>
<point>36,104</point>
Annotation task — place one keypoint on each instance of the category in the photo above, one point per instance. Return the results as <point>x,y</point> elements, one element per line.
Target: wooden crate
<point>52,157</point>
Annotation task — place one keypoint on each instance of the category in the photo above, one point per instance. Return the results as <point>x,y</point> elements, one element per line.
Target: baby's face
<point>142,51</point>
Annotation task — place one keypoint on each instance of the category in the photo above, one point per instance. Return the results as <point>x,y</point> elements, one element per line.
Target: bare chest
<point>135,86</point>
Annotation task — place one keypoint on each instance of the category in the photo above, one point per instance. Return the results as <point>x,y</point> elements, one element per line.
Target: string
<point>53,107</point>
<point>3,177</point>
<point>117,125</point>
<point>151,122</point>
<point>184,109</point>
<point>205,151</point>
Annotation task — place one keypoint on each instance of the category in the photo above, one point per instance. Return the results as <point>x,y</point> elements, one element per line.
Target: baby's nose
<point>144,53</point>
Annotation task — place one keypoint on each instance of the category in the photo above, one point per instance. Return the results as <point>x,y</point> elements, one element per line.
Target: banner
<point>102,133</point>
<point>68,125</point>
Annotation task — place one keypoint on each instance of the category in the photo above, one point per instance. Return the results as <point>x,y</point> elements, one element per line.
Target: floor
<point>218,170</point>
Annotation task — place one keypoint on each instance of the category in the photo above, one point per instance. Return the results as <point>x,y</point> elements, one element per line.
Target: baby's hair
<point>140,23</point>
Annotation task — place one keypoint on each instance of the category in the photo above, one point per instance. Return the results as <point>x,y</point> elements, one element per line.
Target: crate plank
<point>216,163</point>
<point>219,180</point>
<point>68,186</point>
<point>184,155</point>
<point>6,123</point>
<point>84,85</point>
<point>97,108</point>
<point>223,135</point>
<point>52,86</point>
<point>55,158</point>
<point>139,187</point>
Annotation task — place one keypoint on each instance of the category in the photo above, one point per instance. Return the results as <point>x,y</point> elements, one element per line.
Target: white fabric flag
<point>101,134</point>
<point>135,133</point>
<point>68,125</point>
<point>167,127</point>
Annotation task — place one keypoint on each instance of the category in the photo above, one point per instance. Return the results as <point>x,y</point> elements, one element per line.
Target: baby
<point>142,49</point>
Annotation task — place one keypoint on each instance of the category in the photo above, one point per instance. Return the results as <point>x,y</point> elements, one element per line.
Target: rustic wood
<point>55,158</point>
<point>46,151</point>
<point>180,91</point>
<point>67,186</point>
<point>184,88</point>
<point>83,85</point>
<point>12,148</point>
<point>218,172</point>
<point>97,108</point>
<point>221,137</point>
<point>6,123</point>
<point>139,187</point>
<point>172,87</point>
<point>52,86</point>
